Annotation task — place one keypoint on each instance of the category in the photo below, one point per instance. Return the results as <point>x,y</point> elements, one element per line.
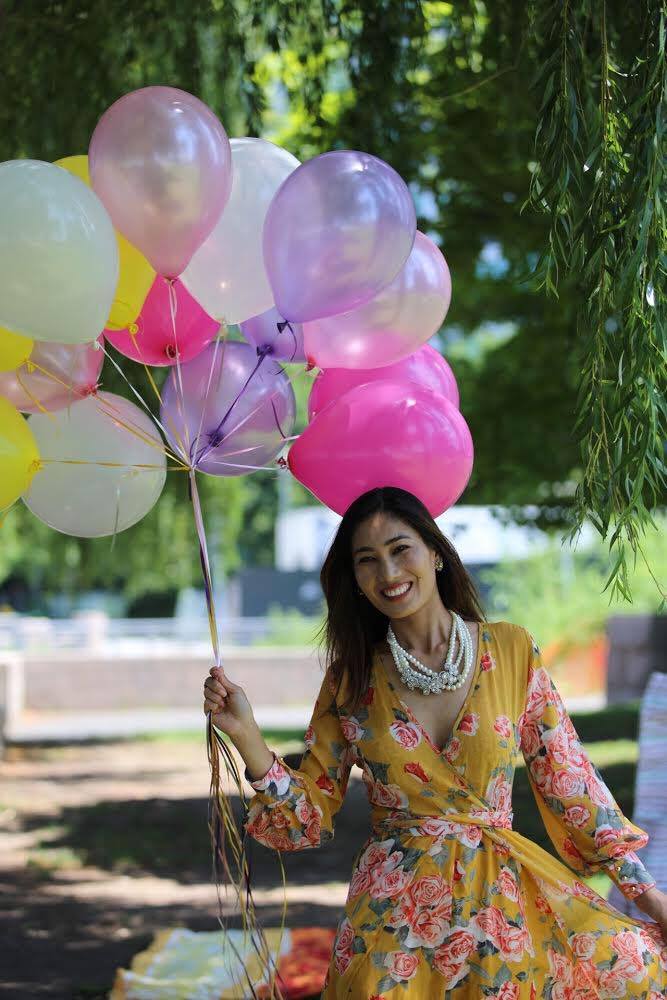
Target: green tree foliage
<point>531,134</point>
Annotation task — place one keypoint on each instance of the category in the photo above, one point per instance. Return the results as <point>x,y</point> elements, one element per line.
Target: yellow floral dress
<point>445,899</point>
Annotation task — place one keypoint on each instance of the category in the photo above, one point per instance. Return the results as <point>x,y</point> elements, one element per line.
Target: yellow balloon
<point>14,349</point>
<point>19,455</point>
<point>135,274</point>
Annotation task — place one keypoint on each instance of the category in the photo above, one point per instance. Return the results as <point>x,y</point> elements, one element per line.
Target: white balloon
<point>227,275</point>
<point>58,254</point>
<point>95,499</point>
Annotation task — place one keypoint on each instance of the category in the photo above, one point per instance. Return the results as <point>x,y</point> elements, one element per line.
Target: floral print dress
<point>446,900</point>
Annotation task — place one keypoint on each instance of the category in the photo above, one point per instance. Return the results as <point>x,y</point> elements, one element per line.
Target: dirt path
<point>102,845</point>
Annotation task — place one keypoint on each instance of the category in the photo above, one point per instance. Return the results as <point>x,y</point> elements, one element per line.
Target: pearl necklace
<point>429,681</point>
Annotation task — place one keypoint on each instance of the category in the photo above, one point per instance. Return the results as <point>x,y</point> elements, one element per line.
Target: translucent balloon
<point>161,162</point>
<point>151,339</point>
<point>14,349</point>
<point>104,466</point>
<point>426,368</point>
<point>385,433</point>
<point>227,273</point>
<point>58,254</point>
<point>338,230</point>
<point>273,334</point>
<point>229,412</point>
<point>55,376</point>
<point>19,454</point>
<point>393,324</point>
<point>135,275</point>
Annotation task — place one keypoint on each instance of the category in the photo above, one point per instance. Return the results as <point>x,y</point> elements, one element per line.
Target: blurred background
<point>104,644</point>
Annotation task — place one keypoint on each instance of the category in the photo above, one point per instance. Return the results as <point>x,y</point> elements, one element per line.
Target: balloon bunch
<point>151,246</point>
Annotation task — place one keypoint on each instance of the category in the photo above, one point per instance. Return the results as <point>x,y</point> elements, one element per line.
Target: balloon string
<point>214,437</point>
<point>168,451</point>
<point>209,382</point>
<point>34,398</point>
<point>112,411</point>
<point>111,465</point>
<point>281,326</point>
<point>180,398</point>
<point>221,821</point>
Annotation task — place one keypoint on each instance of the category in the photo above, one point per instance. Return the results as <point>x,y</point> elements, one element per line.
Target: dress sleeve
<point>294,808</point>
<point>583,820</point>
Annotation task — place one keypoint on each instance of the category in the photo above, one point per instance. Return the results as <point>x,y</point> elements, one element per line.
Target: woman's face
<point>393,566</point>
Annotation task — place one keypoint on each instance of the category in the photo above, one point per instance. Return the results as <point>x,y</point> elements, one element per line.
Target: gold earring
<point>439,565</point>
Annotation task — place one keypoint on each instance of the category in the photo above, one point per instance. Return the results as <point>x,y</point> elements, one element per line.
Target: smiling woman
<point>438,707</point>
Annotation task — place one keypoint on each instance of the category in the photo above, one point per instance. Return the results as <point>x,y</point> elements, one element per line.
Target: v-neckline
<point>482,640</point>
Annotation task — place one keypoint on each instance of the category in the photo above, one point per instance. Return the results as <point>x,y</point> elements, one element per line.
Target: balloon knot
<point>133,329</point>
<point>310,364</point>
<point>89,390</point>
<point>36,466</point>
<point>282,463</point>
<point>29,367</point>
<point>264,350</point>
<point>171,352</point>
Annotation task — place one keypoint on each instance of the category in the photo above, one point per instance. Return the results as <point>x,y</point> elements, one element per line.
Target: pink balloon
<point>161,163</point>
<point>394,323</point>
<point>385,433</point>
<point>426,368</point>
<point>339,229</point>
<point>153,342</point>
<point>54,376</point>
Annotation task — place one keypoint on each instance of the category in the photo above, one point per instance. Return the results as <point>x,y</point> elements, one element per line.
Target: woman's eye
<point>365,559</point>
<point>401,548</point>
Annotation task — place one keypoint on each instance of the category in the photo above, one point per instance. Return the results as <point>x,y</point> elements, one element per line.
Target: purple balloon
<point>276,336</point>
<point>426,368</point>
<point>53,377</point>
<point>227,411</point>
<point>338,230</point>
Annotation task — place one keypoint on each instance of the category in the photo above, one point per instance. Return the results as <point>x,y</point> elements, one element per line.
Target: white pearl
<point>430,681</point>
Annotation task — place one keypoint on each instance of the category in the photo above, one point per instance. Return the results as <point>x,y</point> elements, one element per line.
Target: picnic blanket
<point>216,965</point>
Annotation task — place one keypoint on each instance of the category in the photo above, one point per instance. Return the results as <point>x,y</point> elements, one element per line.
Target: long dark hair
<point>353,626</point>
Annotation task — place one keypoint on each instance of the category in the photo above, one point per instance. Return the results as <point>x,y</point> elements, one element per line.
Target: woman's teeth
<point>394,592</point>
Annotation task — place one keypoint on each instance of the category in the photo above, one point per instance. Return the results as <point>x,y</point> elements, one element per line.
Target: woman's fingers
<point>218,674</point>
<point>212,685</point>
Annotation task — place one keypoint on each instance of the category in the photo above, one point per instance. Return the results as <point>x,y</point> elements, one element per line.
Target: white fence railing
<point>97,632</point>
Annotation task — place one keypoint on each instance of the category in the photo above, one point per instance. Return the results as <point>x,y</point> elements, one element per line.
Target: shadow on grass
<point>169,837</point>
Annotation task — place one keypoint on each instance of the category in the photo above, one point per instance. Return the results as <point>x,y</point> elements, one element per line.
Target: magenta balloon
<point>426,368</point>
<point>271,333</point>
<point>161,163</point>
<point>229,411</point>
<point>391,325</point>
<point>385,433</point>
<point>153,342</point>
<point>54,376</point>
<point>338,230</point>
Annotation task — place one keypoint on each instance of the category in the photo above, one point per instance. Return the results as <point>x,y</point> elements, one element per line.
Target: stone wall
<point>77,681</point>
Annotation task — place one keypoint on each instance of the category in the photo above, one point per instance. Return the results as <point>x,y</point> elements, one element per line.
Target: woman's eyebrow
<point>390,541</point>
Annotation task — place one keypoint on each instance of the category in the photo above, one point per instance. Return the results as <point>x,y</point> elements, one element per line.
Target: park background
<point>107,839</point>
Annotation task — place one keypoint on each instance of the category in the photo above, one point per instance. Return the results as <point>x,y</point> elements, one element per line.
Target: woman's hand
<point>230,709</point>
<point>653,903</point>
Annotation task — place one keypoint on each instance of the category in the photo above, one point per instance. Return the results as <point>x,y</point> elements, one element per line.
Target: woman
<point>445,896</point>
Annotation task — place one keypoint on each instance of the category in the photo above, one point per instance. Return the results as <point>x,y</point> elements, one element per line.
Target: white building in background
<point>480,537</point>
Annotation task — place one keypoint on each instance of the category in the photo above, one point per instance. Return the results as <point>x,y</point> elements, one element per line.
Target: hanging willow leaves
<point>600,178</point>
